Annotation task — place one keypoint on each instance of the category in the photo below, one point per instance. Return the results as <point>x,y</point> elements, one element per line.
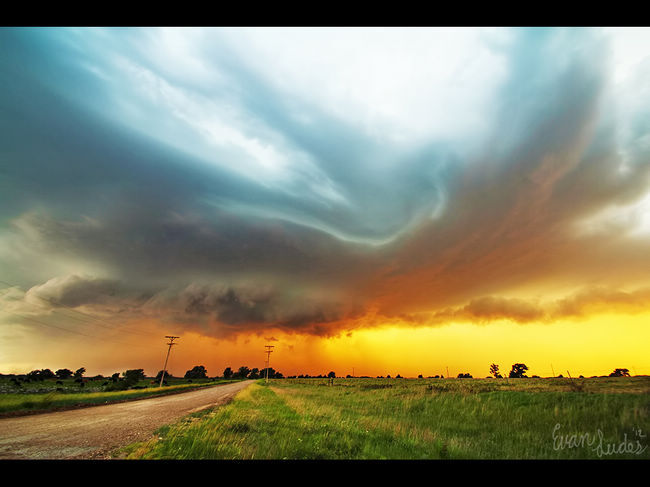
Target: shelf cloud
<point>318,180</point>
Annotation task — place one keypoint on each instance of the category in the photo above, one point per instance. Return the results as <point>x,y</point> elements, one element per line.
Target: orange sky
<point>408,201</point>
<point>587,346</point>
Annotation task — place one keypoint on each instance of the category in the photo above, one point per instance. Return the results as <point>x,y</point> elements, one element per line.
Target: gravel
<point>96,432</point>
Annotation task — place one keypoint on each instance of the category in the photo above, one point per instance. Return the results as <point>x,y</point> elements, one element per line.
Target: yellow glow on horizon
<point>593,345</point>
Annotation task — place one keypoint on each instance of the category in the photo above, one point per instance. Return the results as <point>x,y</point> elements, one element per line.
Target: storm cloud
<point>234,179</point>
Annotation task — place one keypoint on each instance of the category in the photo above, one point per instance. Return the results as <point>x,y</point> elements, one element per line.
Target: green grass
<point>23,402</point>
<point>413,419</point>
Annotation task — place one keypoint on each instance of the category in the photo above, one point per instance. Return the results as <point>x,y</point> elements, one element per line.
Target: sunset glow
<point>370,201</point>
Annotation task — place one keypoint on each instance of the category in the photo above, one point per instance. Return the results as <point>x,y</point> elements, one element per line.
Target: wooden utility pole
<point>171,342</point>
<point>268,360</point>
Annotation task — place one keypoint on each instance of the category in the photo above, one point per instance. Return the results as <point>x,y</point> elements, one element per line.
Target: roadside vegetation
<point>417,419</point>
<point>44,390</point>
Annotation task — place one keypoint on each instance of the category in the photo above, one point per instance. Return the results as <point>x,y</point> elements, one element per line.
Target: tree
<point>160,373</point>
<point>35,375</point>
<point>331,375</point>
<point>494,370</point>
<point>197,372</point>
<point>41,374</point>
<point>518,371</point>
<point>620,373</point>
<point>78,374</point>
<point>64,373</point>
<point>47,374</point>
<point>254,373</point>
<point>273,374</point>
<point>227,373</point>
<point>242,372</point>
<point>131,377</point>
<point>464,376</point>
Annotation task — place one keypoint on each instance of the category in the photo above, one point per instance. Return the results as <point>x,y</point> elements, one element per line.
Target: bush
<point>120,385</point>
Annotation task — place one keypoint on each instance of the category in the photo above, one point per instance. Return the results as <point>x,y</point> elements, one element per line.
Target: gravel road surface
<point>94,432</point>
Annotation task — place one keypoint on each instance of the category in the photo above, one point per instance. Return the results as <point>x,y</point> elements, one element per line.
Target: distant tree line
<point>130,378</point>
<point>255,373</point>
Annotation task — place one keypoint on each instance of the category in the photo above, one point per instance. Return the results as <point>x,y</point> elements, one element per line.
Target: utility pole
<point>552,370</point>
<point>171,342</point>
<point>268,360</point>
<point>447,372</point>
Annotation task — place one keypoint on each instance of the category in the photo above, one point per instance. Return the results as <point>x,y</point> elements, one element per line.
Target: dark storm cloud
<point>73,291</point>
<point>106,166</point>
<point>251,306</point>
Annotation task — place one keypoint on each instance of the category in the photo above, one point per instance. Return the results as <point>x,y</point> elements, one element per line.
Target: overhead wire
<point>76,318</point>
<point>98,320</point>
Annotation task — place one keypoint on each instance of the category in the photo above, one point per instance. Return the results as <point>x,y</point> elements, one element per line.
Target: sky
<point>369,201</point>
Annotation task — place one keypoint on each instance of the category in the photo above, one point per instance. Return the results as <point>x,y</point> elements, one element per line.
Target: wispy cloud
<point>306,178</point>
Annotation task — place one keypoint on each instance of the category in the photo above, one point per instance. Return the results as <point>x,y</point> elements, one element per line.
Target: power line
<point>74,331</point>
<point>268,360</point>
<point>56,303</point>
<point>52,326</point>
<point>171,342</point>
<point>67,329</point>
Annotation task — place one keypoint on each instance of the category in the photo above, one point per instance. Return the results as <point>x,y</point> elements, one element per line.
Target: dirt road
<point>92,433</point>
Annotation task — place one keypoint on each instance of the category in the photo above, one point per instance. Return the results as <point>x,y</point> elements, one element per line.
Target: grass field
<point>49,395</point>
<point>417,419</point>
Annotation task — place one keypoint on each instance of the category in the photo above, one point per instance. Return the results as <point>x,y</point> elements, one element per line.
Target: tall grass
<point>410,419</point>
